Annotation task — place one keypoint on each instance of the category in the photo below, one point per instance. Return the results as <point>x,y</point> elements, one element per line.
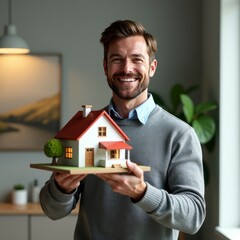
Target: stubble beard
<point>122,93</point>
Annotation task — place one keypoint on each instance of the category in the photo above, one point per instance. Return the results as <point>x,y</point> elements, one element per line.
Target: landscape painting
<point>30,100</point>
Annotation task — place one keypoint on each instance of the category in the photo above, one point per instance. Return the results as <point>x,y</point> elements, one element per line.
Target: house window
<point>115,154</point>
<point>68,152</point>
<point>102,131</point>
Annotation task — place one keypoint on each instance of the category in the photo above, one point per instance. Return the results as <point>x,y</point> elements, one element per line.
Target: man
<point>150,205</point>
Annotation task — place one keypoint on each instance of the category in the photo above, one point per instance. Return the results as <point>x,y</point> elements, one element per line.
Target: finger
<point>76,178</point>
<point>134,169</point>
<point>111,176</point>
<point>60,176</point>
<point>80,177</point>
<point>108,178</point>
<point>68,182</point>
<point>64,176</point>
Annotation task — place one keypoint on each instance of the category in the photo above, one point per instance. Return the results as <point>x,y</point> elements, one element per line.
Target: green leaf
<point>205,128</point>
<point>188,107</point>
<point>205,107</point>
<point>53,148</point>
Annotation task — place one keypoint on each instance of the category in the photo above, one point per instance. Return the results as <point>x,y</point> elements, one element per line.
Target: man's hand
<point>68,182</point>
<point>131,185</point>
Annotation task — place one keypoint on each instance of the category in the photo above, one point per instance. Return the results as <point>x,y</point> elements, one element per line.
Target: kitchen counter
<point>29,209</point>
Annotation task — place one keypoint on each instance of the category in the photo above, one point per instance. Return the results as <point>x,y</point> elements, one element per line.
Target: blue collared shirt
<point>141,112</point>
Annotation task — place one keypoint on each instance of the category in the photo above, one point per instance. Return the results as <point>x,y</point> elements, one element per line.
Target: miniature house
<point>92,138</point>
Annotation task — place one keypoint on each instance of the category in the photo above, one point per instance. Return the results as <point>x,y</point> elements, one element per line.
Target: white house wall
<point>108,162</point>
<point>91,140</point>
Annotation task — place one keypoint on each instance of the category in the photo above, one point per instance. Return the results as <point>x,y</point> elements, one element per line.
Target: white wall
<point>73,28</point>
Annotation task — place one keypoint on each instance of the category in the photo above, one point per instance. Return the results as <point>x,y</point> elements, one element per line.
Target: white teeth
<point>128,80</point>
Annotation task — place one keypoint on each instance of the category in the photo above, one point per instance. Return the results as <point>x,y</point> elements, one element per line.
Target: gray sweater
<point>174,199</point>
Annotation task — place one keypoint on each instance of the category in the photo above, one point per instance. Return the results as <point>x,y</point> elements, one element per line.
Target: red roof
<point>78,125</point>
<point>114,145</point>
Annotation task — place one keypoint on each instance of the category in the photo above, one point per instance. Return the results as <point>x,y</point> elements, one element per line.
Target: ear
<point>153,67</point>
<point>105,66</point>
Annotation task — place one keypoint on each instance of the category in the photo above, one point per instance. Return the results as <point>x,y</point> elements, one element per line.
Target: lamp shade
<point>11,43</point>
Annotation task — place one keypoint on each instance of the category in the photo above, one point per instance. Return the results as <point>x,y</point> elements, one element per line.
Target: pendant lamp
<point>10,42</point>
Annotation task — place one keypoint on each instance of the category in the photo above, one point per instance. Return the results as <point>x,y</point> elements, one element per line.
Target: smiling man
<point>128,70</point>
<point>137,206</point>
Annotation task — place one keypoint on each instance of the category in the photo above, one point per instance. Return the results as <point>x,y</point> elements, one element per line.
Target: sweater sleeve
<point>55,203</point>
<point>182,206</point>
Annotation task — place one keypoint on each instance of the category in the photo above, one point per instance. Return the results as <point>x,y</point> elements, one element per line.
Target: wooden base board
<point>82,170</point>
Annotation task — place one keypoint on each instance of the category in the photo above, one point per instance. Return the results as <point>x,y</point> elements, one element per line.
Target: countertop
<point>28,209</point>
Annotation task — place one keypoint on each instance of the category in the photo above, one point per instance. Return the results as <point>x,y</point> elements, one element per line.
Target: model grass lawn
<point>83,170</point>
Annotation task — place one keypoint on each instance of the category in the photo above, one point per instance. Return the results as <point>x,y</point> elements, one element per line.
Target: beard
<point>128,92</point>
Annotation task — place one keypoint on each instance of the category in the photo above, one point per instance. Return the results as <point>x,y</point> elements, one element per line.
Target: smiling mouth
<point>127,79</point>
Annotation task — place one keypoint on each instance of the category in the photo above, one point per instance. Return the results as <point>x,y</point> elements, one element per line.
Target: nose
<point>127,66</point>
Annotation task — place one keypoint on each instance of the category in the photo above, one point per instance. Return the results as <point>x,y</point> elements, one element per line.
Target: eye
<point>137,60</point>
<point>116,60</point>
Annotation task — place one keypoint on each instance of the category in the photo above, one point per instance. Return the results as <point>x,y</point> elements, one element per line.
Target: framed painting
<point>30,100</point>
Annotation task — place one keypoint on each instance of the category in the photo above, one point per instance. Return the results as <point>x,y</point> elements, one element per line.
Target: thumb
<point>134,169</point>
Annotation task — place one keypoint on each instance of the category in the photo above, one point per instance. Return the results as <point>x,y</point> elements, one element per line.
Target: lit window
<point>68,152</point>
<point>115,154</point>
<point>102,131</point>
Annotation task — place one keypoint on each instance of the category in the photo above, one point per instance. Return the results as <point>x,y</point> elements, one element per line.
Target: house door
<point>89,157</point>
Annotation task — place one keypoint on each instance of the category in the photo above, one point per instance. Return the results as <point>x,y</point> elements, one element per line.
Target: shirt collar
<point>141,112</point>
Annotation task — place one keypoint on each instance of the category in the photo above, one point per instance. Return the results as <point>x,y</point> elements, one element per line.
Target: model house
<point>92,138</point>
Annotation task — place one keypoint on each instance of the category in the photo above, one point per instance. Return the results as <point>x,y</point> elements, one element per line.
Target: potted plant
<point>197,115</point>
<point>19,194</point>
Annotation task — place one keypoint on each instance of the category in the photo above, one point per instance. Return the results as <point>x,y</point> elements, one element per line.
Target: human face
<point>128,68</point>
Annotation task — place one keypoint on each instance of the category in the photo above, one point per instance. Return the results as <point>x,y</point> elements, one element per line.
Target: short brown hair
<point>127,28</point>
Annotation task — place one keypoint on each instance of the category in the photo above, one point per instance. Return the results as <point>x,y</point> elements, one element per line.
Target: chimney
<point>86,110</point>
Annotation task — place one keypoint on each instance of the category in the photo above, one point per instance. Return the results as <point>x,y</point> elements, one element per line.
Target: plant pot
<point>19,197</point>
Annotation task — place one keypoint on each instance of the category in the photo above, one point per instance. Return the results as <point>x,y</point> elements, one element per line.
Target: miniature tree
<point>53,148</point>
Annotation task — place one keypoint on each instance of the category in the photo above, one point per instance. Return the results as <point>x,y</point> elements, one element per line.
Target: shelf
<point>29,209</point>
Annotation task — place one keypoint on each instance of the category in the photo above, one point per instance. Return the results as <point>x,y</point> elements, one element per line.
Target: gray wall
<point>73,28</point>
